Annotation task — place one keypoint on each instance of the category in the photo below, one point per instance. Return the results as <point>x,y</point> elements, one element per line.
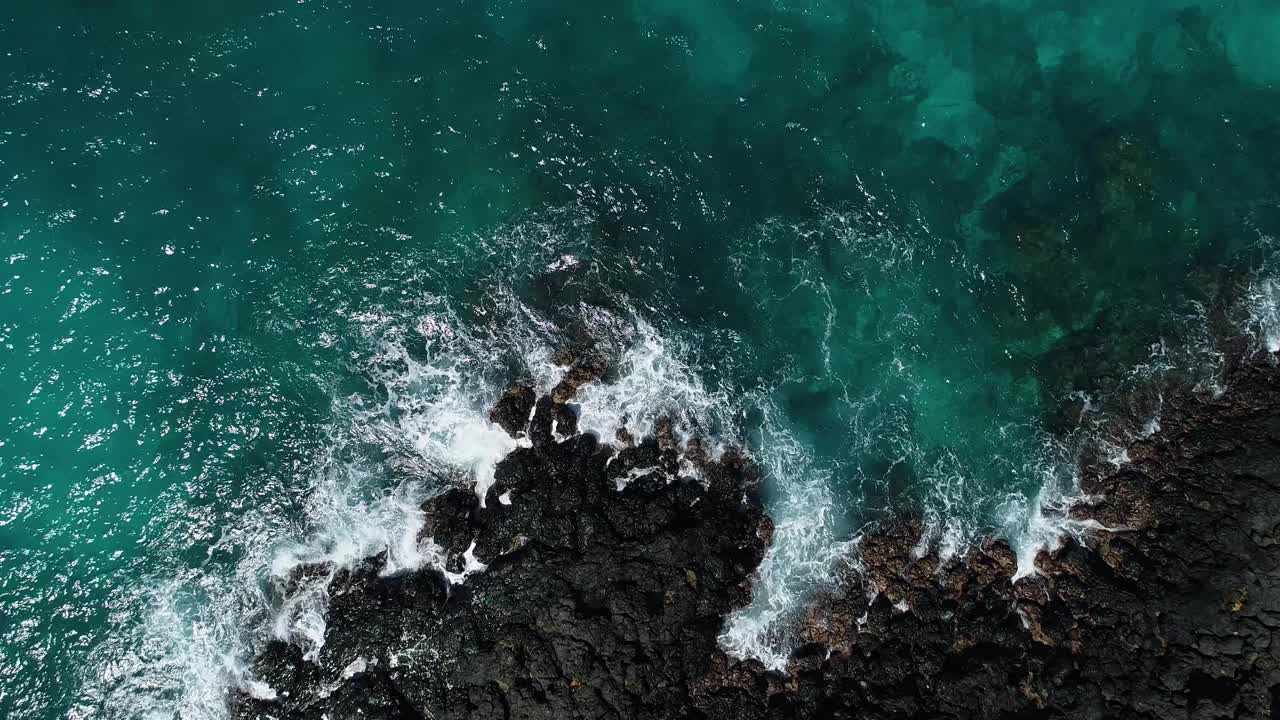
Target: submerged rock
<point>596,602</point>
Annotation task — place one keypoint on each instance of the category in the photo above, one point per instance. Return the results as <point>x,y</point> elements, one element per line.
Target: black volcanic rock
<point>583,366</point>
<point>596,602</point>
<point>511,413</point>
<point>1171,614</point>
<point>600,603</point>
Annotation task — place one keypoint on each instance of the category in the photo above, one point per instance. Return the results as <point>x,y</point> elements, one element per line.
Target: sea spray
<point>652,377</point>
<point>428,420</point>
<point>1122,413</point>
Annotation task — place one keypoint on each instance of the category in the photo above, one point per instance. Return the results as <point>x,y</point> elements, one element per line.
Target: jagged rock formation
<point>600,603</point>
<point>1169,615</point>
<point>597,601</point>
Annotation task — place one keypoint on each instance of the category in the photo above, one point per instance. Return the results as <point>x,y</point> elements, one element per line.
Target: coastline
<point>596,601</point>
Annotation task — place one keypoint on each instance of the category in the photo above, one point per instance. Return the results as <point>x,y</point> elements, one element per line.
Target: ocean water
<point>267,264</point>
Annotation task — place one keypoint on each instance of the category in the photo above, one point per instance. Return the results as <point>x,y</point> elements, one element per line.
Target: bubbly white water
<point>1194,357</point>
<point>654,377</point>
<point>805,551</point>
<point>1264,304</point>
<point>808,549</point>
<point>1260,318</point>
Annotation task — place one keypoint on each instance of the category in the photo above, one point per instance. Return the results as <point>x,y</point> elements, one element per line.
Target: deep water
<point>267,264</point>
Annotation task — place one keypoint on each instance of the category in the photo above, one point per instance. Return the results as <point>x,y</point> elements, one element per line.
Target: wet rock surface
<point>596,601</point>
<point>605,603</point>
<point>1170,614</point>
<point>512,411</point>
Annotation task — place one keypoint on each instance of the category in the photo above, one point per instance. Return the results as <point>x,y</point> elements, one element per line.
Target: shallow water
<point>267,265</point>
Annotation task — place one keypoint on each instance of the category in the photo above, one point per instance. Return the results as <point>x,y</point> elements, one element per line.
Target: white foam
<point>1107,428</point>
<point>802,557</point>
<point>1262,306</point>
<point>632,475</point>
<point>350,520</point>
<point>1040,524</point>
<point>184,653</point>
<point>806,551</point>
<point>472,563</point>
<point>356,667</point>
<point>1133,412</point>
<point>424,420</point>
<point>435,411</point>
<point>948,522</point>
<point>653,377</point>
<point>431,420</point>
<point>441,411</point>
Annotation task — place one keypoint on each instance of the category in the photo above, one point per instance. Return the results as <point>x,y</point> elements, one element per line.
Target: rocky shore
<point>608,574</point>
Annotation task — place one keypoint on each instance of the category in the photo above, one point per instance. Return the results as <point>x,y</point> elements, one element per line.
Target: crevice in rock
<point>1202,687</point>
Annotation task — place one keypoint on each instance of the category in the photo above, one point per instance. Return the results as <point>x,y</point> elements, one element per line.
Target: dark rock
<point>563,392</point>
<point>583,366</point>
<point>1169,615</point>
<point>513,409</point>
<point>624,437</point>
<point>600,603</point>
<point>665,434</point>
<point>595,603</point>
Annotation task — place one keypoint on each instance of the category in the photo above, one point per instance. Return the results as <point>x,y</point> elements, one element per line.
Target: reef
<point>609,571</point>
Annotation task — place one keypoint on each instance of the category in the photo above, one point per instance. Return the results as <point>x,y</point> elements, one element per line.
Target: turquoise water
<point>266,264</point>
